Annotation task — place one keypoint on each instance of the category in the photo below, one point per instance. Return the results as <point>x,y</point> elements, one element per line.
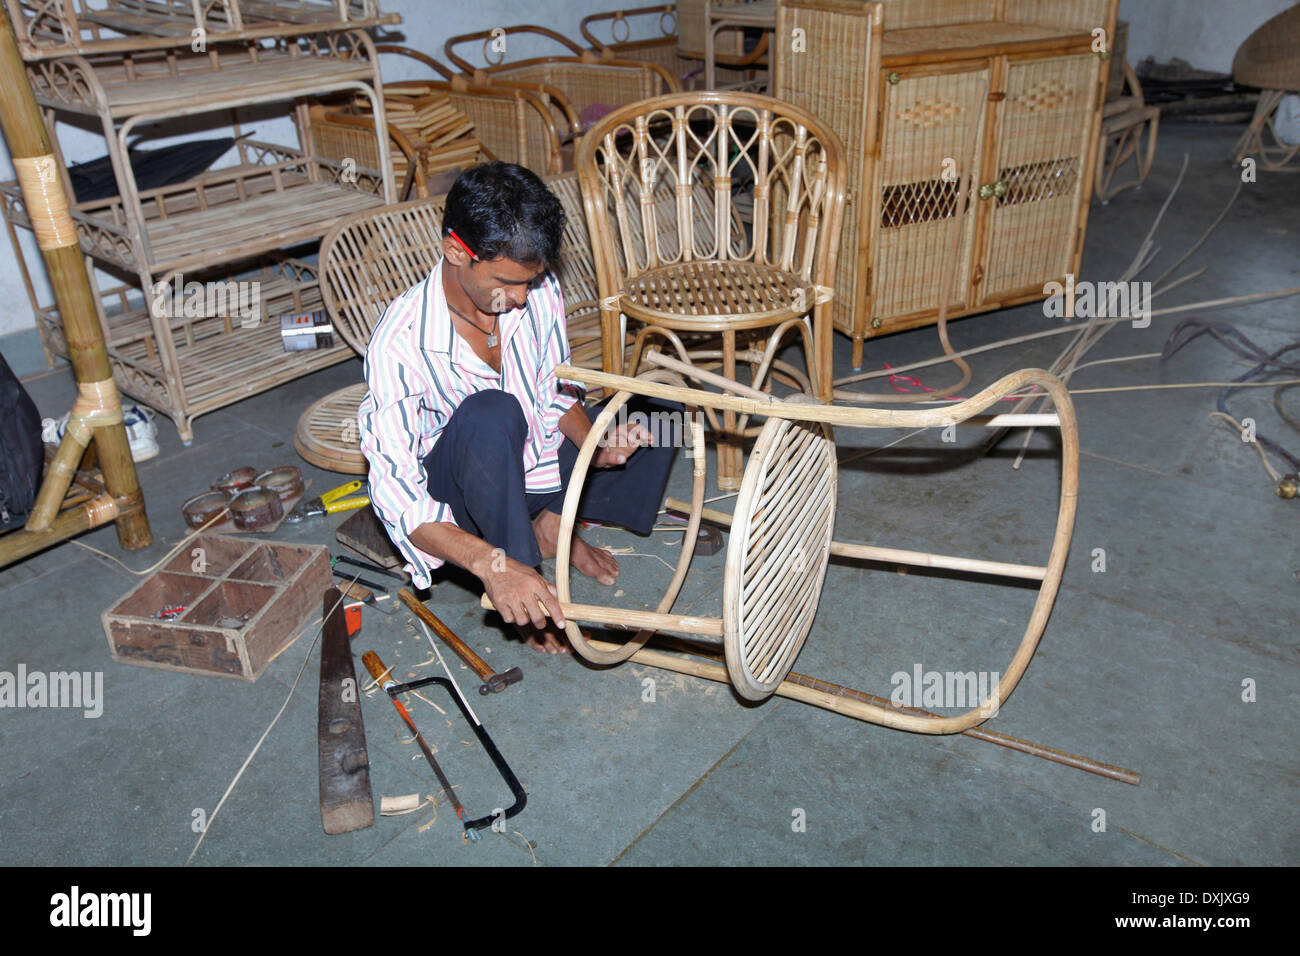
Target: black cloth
<point>477,469</point>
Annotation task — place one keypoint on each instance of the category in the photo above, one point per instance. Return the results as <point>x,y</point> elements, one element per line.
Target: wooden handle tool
<point>492,682</point>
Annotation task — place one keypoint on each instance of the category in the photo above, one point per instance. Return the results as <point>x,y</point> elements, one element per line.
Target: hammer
<point>492,682</point>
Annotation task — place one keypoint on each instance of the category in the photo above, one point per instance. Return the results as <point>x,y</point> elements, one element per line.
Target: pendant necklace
<point>491,336</point>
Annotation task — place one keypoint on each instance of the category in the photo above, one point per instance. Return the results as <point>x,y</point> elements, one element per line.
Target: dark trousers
<point>477,468</point>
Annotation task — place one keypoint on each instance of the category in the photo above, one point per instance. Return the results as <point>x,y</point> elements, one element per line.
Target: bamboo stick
<point>29,145</point>
<point>632,619</point>
<point>819,693</point>
<point>868,552</point>
<point>90,514</point>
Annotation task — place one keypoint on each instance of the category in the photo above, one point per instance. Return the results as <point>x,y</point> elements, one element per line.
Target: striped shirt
<point>419,371</point>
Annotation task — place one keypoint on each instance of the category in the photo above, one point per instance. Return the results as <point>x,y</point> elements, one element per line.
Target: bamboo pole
<point>842,700</point>
<point>68,524</point>
<point>98,403</point>
<point>867,552</point>
<point>632,619</point>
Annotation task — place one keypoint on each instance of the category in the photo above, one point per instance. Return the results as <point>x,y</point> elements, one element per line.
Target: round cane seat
<point>716,296</point>
<point>777,553</point>
<point>327,432</point>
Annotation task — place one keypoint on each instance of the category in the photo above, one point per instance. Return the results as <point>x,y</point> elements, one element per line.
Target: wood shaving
<point>397,806</point>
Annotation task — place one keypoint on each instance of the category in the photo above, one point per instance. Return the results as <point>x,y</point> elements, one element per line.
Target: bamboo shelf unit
<point>924,92</point>
<point>249,222</point>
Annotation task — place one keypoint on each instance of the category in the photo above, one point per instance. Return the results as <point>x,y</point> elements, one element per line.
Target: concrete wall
<point>1204,32</point>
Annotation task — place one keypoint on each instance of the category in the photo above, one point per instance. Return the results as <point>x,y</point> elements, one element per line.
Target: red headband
<point>463,245</point>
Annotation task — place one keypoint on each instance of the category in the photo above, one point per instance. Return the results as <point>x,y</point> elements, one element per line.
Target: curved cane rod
<point>563,548</point>
<point>638,347</point>
<point>1042,606</point>
<point>691,534</point>
<point>769,355</point>
<point>791,407</point>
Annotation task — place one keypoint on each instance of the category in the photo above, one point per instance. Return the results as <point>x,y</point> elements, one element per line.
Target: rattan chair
<point>586,83</point>
<point>513,122</point>
<point>647,168</point>
<point>1270,59</point>
<point>610,35</point>
<point>347,132</point>
<point>1129,128</point>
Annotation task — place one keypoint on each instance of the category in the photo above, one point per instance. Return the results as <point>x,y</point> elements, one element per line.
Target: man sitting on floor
<point>469,434</point>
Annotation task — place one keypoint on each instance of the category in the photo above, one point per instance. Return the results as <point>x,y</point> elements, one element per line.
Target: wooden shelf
<point>123,86</point>
<point>47,30</point>
<point>276,199</point>
<point>271,221</point>
<point>221,369</point>
<point>956,37</point>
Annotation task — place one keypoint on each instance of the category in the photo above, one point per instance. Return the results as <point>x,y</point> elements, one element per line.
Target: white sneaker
<point>140,431</point>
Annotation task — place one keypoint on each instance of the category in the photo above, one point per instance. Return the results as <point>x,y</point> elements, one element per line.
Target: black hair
<point>500,209</point>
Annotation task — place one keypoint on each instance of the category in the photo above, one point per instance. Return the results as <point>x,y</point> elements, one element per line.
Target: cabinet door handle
<point>893,78</point>
<point>986,191</point>
<point>1000,188</point>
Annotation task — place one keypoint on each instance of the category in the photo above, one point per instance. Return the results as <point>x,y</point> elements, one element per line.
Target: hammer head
<point>499,682</point>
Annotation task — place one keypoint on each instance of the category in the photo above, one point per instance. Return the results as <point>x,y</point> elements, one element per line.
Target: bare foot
<point>594,562</point>
<point>548,640</point>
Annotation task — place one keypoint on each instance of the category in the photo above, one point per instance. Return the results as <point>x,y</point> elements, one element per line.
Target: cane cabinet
<point>924,94</point>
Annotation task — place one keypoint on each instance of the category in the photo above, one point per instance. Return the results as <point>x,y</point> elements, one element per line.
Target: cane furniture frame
<point>229,224</point>
<point>515,121</point>
<point>1270,59</point>
<point>54,28</point>
<point>582,79</point>
<point>780,541</point>
<point>1129,129</point>
<point>610,33</point>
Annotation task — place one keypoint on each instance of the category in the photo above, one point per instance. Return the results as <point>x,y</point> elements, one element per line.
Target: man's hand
<point>620,444</point>
<point>518,592</point>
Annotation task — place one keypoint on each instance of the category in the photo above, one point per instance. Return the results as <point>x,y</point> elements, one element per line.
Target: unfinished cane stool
<point>781,536</point>
<point>753,280</point>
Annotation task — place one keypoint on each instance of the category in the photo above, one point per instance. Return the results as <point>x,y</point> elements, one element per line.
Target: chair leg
<point>1275,156</point>
<point>731,458</point>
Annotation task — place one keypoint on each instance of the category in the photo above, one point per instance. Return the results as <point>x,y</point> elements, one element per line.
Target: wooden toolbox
<point>232,603</point>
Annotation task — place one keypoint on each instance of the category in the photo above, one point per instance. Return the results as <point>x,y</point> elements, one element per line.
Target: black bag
<point>22,453</point>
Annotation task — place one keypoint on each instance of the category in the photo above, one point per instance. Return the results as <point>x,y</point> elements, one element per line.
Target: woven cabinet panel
<point>907,14</point>
<point>1081,15</point>
<point>927,127</point>
<point>831,78</point>
<point>1043,130</point>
